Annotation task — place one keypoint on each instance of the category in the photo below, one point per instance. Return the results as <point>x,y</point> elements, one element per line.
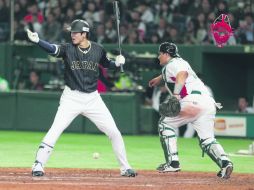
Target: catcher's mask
<point>79,26</point>
<point>221,30</point>
<point>170,48</point>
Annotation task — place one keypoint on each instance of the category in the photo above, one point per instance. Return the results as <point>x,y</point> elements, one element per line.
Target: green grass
<point>18,149</point>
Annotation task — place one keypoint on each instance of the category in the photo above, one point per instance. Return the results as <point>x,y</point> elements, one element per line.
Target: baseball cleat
<point>226,171</point>
<point>37,173</point>
<point>37,169</point>
<point>174,166</point>
<point>129,173</point>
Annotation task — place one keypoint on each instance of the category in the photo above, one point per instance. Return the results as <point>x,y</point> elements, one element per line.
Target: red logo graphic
<point>221,30</point>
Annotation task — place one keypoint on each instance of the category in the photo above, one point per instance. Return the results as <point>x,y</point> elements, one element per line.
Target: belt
<point>195,92</point>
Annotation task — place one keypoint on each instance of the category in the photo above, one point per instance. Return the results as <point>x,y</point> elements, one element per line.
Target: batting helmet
<point>79,26</point>
<point>170,48</point>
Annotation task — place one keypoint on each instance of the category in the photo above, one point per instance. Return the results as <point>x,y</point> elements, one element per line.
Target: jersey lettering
<point>76,65</point>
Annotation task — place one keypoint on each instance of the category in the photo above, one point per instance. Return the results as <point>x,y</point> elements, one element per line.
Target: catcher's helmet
<point>170,48</point>
<point>79,26</point>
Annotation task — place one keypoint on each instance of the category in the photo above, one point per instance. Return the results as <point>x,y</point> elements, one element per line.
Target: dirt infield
<point>76,179</point>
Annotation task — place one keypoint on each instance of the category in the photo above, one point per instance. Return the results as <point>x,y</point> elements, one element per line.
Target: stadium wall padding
<point>8,110</point>
<point>35,111</point>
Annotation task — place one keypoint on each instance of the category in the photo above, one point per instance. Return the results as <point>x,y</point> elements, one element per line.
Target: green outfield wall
<point>35,111</point>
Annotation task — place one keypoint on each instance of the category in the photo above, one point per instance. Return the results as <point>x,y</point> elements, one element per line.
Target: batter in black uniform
<point>81,58</point>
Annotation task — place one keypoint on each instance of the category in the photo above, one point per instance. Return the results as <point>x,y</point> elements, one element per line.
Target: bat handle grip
<point>121,68</point>
<point>120,51</point>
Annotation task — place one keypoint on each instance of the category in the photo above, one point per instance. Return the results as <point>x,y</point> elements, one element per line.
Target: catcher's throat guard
<point>170,108</point>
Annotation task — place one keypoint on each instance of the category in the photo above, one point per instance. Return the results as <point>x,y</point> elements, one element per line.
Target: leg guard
<point>43,154</point>
<point>214,150</point>
<point>168,141</point>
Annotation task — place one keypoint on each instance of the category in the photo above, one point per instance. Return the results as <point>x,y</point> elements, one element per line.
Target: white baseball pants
<point>199,110</point>
<point>90,105</point>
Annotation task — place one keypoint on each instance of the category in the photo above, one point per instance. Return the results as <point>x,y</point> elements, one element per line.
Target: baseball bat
<point>117,17</point>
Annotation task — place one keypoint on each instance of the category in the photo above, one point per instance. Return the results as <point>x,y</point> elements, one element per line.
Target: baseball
<point>96,155</point>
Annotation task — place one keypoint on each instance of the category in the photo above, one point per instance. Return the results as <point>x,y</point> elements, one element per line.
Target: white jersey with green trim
<point>193,83</point>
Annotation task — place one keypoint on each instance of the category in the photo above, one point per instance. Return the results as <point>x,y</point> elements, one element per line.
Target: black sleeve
<point>50,48</point>
<point>106,62</point>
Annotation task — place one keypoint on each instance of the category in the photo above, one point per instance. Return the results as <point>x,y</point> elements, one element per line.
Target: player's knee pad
<point>43,153</point>
<point>168,141</point>
<point>214,150</point>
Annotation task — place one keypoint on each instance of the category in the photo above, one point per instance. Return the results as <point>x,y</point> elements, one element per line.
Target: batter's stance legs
<point>102,118</point>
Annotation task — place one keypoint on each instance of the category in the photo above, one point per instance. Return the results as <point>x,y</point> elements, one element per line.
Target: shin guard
<point>214,150</point>
<point>168,142</point>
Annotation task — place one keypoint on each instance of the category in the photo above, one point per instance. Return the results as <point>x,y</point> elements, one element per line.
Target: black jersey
<point>82,67</point>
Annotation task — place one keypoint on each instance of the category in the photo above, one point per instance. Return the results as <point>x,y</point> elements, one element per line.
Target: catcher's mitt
<point>170,108</point>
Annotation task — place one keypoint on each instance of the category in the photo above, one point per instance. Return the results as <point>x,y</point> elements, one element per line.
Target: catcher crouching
<point>190,103</point>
